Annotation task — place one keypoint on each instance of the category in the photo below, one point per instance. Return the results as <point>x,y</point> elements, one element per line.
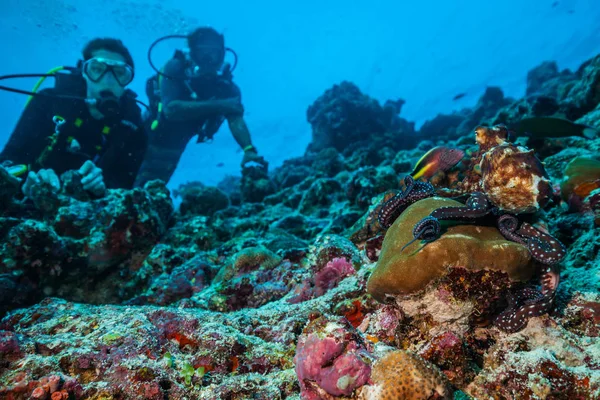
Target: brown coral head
<point>487,137</point>
<point>401,273</point>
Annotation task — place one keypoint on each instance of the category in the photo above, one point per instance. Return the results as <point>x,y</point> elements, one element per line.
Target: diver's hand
<point>92,179</point>
<point>252,156</point>
<point>230,106</point>
<point>43,177</point>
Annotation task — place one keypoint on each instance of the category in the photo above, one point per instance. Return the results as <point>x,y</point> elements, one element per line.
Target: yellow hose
<point>41,81</point>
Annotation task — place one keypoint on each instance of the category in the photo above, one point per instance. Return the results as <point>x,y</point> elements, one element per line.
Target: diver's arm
<point>241,134</point>
<point>30,136</point>
<point>239,130</point>
<point>139,149</point>
<point>235,119</point>
<point>174,95</point>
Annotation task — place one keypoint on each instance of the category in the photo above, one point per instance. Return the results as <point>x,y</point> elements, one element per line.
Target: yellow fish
<point>437,159</point>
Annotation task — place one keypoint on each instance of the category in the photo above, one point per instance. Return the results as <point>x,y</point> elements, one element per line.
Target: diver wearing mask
<point>92,125</point>
<point>192,95</point>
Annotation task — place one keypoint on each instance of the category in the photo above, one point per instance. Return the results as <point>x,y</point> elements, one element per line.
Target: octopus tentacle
<point>476,207</point>
<point>543,247</point>
<point>546,250</point>
<point>414,192</point>
<point>549,280</point>
<point>428,229</point>
<point>529,303</point>
<point>508,225</point>
<point>516,316</point>
<point>527,296</point>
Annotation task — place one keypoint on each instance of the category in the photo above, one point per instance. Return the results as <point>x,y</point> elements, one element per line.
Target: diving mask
<point>95,68</point>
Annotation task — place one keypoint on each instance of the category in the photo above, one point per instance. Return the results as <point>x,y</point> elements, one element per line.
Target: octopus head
<point>487,137</point>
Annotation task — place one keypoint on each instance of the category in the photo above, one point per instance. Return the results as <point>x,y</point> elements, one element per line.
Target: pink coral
<point>53,387</point>
<point>330,361</point>
<point>323,280</point>
<point>10,349</point>
<point>335,270</point>
<point>39,394</point>
<point>384,322</point>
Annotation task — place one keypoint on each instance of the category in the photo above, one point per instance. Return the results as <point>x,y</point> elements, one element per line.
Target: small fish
<point>220,164</point>
<point>459,96</point>
<point>554,4</point>
<point>437,159</point>
<point>552,127</point>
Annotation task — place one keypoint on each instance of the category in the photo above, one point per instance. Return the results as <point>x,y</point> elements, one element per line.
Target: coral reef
<point>337,275</point>
<point>83,250</point>
<point>344,118</point>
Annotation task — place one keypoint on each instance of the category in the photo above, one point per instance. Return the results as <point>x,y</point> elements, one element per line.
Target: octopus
<point>503,181</point>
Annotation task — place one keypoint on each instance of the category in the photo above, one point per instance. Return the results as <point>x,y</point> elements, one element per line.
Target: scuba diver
<point>192,95</point>
<point>88,122</point>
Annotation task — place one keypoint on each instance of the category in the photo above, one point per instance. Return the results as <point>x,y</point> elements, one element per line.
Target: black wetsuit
<point>116,146</point>
<point>168,141</point>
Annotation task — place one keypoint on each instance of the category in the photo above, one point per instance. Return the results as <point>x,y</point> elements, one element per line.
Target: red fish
<point>437,159</point>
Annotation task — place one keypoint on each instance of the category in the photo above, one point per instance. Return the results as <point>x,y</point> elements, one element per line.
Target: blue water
<point>425,52</point>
